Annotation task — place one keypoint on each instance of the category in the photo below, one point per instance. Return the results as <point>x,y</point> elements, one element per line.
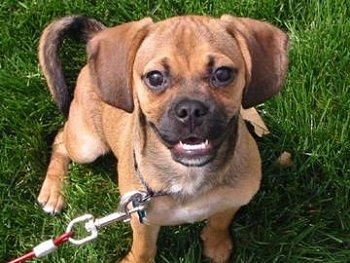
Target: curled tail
<point>77,27</point>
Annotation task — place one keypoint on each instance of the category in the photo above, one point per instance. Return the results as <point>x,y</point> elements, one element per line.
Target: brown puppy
<point>166,98</point>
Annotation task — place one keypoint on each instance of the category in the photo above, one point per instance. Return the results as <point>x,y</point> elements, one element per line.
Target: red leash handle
<point>45,248</point>
<point>24,258</point>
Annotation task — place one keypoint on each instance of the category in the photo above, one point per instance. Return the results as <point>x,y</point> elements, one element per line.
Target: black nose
<point>191,111</point>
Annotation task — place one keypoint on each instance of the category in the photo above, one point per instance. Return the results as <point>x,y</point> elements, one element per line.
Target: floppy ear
<point>111,55</point>
<point>264,48</point>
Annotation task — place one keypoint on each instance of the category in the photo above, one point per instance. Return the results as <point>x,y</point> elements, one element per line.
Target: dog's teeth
<point>194,147</point>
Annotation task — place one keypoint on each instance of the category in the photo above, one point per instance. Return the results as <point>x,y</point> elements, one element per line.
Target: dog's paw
<point>51,197</point>
<point>131,258</point>
<point>217,246</point>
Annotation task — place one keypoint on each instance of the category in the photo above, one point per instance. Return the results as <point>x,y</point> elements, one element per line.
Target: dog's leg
<point>216,236</point>
<point>51,197</point>
<point>144,244</point>
<point>80,142</point>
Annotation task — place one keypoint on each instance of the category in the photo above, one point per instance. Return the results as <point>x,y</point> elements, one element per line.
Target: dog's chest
<point>166,210</point>
<point>187,186</point>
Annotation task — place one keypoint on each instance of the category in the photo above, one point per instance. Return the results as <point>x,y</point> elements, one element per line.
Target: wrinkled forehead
<point>188,37</point>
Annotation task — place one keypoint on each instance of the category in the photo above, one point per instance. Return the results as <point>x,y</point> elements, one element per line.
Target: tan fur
<point>114,110</point>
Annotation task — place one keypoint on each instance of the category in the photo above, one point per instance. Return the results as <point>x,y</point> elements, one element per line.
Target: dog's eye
<point>223,76</point>
<point>156,80</point>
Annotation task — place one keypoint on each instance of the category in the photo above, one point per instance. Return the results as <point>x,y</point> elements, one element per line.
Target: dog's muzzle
<point>193,131</point>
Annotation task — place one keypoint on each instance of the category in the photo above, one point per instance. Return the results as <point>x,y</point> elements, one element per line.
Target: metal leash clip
<point>131,202</point>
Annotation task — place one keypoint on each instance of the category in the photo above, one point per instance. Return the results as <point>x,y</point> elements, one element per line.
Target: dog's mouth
<point>196,147</point>
<point>193,151</point>
<point>190,151</point>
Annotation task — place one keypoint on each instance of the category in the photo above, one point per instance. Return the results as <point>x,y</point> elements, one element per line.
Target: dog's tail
<point>77,27</point>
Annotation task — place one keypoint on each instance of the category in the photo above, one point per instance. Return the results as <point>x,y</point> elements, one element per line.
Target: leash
<point>130,203</point>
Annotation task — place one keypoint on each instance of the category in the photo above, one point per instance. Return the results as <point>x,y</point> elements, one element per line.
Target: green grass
<point>301,214</point>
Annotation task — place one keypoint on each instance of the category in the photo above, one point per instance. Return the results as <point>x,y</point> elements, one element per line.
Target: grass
<point>301,214</point>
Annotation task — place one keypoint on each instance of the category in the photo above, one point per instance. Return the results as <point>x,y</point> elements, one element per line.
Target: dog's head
<point>189,76</point>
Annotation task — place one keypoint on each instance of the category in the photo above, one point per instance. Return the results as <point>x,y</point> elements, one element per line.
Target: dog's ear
<point>264,49</point>
<point>111,55</point>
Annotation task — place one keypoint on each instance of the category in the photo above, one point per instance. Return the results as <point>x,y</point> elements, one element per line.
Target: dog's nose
<point>191,111</point>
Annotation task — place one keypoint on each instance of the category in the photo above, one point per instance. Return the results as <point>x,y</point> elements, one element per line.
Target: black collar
<point>149,190</point>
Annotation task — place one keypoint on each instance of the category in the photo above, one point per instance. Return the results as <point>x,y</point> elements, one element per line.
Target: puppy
<point>167,99</point>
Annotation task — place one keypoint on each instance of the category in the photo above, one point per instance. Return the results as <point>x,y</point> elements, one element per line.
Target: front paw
<point>132,258</point>
<point>51,197</point>
<point>217,246</point>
